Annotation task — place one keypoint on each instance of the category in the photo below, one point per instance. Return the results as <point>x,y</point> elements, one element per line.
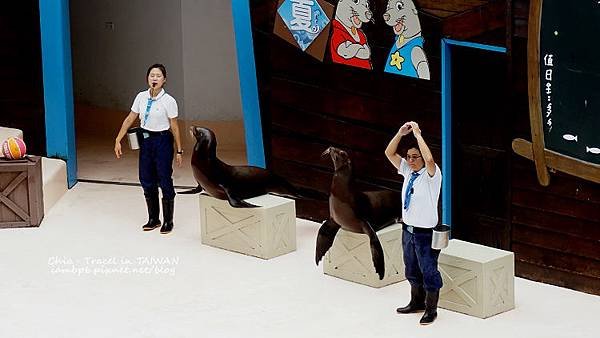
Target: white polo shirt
<point>423,209</point>
<point>163,107</point>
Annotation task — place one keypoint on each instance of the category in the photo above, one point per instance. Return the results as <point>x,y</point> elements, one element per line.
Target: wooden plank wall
<point>555,229</point>
<point>307,106</point>
<point>21,88</point>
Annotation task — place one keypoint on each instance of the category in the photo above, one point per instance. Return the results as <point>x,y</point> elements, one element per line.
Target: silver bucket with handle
<point>133,138</point>
<point>441,236</point>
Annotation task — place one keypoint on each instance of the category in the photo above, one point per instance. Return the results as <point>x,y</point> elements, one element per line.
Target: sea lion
<point>356,211</point>
<point>233,183</point>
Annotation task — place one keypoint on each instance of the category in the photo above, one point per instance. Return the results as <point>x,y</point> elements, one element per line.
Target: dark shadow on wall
<point>480,147</point>
<point>21,88</point>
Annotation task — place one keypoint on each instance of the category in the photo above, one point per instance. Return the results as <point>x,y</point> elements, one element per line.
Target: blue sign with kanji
<point>305,20</point>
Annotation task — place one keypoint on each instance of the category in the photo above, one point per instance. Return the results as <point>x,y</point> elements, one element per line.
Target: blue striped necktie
<point>409,188</point>
<point>148,108</point>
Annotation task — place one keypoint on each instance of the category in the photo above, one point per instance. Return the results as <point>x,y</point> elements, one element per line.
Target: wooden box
<point>21,198</point>
<point>478,280</point>
<point>265,232</point>
<point>350,257</point>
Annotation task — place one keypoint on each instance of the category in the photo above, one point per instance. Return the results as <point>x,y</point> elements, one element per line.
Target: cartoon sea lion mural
<point>348,44</point>
<point>407,56</point>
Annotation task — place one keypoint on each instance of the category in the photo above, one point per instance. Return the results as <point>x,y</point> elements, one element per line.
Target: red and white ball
<point>14,148</point>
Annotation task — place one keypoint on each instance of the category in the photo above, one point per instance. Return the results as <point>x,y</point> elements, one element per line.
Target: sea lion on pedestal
<point>357,211</point>
<point>233,183</point>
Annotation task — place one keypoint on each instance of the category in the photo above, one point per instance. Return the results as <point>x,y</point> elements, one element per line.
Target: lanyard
<point>148,107</point>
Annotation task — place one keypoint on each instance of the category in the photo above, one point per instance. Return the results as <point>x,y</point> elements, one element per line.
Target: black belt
<point>413,229</point>
<point>156,133</point>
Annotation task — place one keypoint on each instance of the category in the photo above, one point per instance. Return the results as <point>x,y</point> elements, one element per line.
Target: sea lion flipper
<point>236,202</point>
<point>376,250</point>
<point>325,238</point>
<point>196,190</point>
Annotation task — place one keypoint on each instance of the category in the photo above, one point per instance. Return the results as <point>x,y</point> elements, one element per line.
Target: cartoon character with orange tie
<point>348,42</point>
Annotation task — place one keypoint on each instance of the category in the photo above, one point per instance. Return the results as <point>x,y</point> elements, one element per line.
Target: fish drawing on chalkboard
<point>562,79</point>
<point>595,151</point>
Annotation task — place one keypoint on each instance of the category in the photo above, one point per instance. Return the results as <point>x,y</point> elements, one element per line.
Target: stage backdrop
<point>308,105</point>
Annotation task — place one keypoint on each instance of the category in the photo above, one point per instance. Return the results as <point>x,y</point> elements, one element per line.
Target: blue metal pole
<point>58,84</point>
<point>446,133</point>
<point>242,26</point>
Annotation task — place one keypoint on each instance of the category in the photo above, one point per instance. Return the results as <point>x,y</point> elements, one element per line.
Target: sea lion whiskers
<point>205,136</point>
<point>339,157</point>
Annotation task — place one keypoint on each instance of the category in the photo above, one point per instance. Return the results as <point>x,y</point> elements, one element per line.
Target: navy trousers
<point>156,164</point>
<point>421,261</point>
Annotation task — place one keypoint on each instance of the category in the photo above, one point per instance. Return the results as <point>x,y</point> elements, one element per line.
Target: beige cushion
<point>9,132</point>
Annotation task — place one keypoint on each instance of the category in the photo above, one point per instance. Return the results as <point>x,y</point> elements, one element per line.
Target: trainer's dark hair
<point>407,142</point>
<point>162,68</point>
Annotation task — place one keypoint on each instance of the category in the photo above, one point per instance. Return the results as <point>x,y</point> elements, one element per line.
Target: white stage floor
<point>143,284</point>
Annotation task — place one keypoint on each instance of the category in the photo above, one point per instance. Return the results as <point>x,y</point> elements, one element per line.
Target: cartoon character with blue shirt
<point>407,56</point>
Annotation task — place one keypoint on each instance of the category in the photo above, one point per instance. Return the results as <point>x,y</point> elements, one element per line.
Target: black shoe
<point>417,301</point>
<point>167,225</point>
<point>153,214</point>
<point>431,300</point>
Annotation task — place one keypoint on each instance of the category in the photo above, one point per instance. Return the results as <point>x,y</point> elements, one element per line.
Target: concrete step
<point>54,181</point>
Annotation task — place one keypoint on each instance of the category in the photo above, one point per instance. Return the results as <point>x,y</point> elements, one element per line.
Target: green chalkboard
<point>570,77</point>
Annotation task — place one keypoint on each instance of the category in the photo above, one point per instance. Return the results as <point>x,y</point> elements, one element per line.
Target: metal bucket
<point>441,236</point>
<point>133,138</point>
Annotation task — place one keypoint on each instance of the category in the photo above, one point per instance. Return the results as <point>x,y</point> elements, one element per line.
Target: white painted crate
<point>350,258</point>
<point>265,232</point>
<point>478,280</point>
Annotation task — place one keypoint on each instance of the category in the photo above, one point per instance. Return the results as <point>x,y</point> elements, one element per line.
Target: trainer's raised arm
<point>423,148</point>
<point>391,152</point>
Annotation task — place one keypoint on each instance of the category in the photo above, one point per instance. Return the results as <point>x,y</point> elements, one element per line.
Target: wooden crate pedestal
<point>478,280</point>
<point>21,198</point>
<point>350,258</point>
<point>265,232</point>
